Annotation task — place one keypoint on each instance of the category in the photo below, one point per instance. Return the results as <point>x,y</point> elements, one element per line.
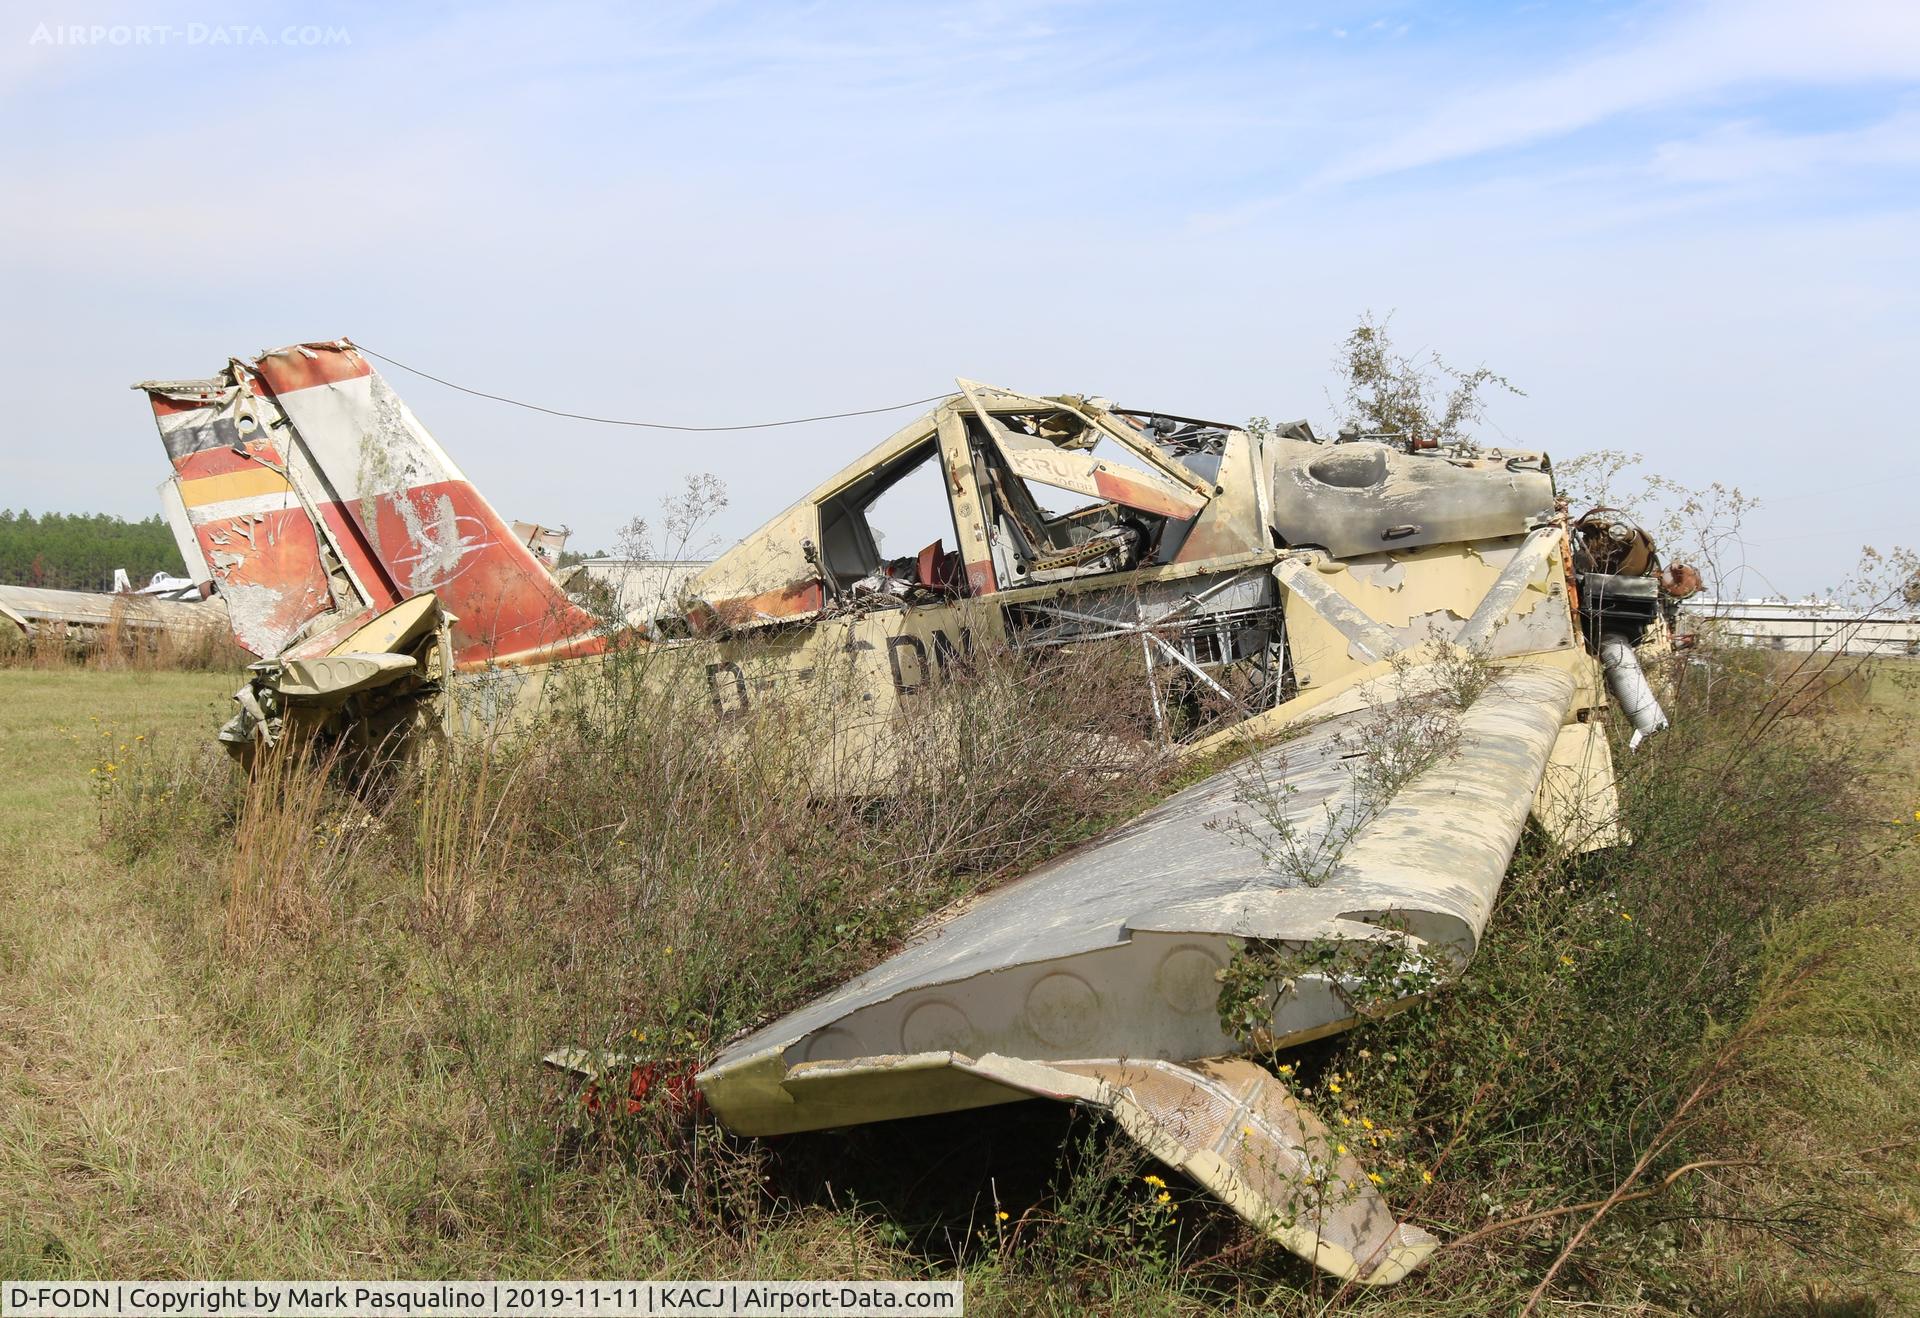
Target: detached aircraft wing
<point>1097,978</point>
<point>35,609</point>
<point>1372,817</point>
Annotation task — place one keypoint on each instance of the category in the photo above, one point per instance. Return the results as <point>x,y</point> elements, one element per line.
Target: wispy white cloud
<point>1680,56</point>
<point>1750,153</point>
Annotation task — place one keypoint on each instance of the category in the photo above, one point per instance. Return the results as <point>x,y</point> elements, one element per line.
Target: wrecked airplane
<point>80,619</point>
<point>1300,590</point>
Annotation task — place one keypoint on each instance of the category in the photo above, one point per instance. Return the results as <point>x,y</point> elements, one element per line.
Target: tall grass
<point>633,875</point>
<point>286,859</point>
<point>638,876</point>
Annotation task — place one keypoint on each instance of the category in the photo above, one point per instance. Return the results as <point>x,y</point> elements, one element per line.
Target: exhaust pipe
<point>1630,687</point>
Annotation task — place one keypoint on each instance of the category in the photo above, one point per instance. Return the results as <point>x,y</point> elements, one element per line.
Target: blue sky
<point>1687,230</point>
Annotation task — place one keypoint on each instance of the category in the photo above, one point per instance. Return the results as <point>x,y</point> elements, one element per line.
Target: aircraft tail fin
<point>320,500</point>
<point>233,484</point>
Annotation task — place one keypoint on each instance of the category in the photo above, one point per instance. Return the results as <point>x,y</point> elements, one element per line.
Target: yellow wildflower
<point>1154,1181</point>
<point>1565,960</point>
<point>1367,1122</point>
<point>1162,1198</point>
<point>1340,1148</point>
<point>1426,1178</point>
<point>1626,917</point>
<point>1000,1216</point>
<point>1247,1131</point>
<point>1375,1178</point>
<point>1334,1085</point>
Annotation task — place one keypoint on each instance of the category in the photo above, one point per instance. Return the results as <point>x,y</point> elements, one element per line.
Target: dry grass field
<point>297,1037</point>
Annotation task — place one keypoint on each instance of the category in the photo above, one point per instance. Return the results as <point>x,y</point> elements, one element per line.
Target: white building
<point>643,587</point>
<point>1804,625</point>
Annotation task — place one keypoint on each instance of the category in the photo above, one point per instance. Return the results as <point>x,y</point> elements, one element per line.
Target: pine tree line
<point>79,551</point>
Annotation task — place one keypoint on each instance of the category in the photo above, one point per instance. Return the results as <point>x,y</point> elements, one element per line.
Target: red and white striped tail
<point>319,500</point>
